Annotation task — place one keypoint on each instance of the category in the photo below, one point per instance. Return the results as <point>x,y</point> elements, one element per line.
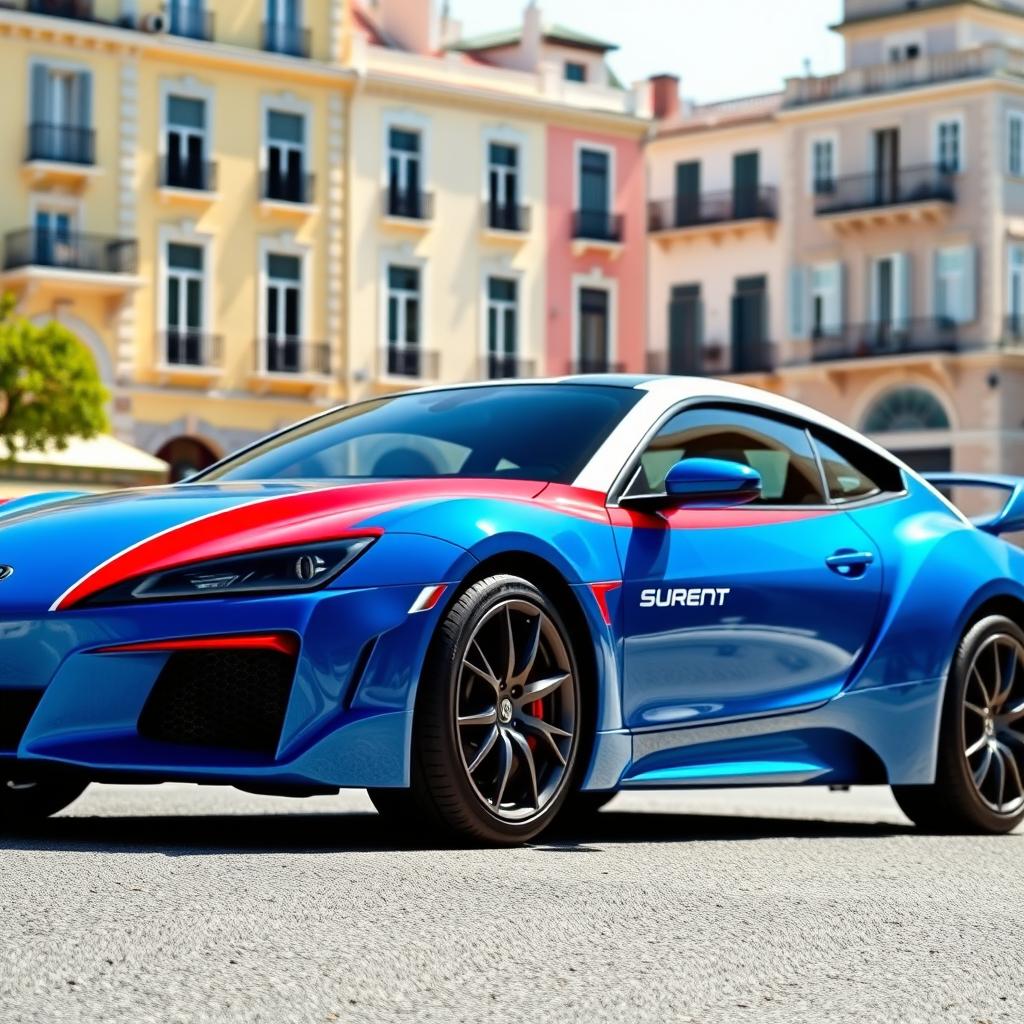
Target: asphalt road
<point>176,903</point>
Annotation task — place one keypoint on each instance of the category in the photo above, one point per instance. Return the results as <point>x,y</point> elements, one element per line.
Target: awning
<point>98,464</point>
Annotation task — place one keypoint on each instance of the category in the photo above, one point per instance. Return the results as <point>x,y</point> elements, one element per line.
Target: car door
<point>748,610</point>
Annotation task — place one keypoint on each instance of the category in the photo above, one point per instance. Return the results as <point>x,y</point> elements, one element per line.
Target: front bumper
<point>349,712</point>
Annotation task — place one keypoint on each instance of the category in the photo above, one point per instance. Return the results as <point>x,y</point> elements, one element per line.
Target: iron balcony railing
<point>281,187</point>
<point>588,365</point>
<point>196,175</point>
<point>291,40</point>
<point>187,21</point>
<point>687,211</point>
<point>412,205</point>
<point>899,337</point>
<point>506,217</point>
<point>70,251</point>
<point>61,143</point>
<point>597,226</point>
<point>495,366</point>
<point>1013,330</point>
<point>184,347</point>
<point>289,355</point>
<point>881,188</point>
<point>754,355</point>
<point>409,361</point>
<point>80,10</point>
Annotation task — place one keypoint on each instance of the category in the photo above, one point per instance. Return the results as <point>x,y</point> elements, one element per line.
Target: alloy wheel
<point>516,710</point>
<point>993,720</point>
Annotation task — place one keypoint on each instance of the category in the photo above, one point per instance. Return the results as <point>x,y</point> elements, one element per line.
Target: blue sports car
<point>493,604</point>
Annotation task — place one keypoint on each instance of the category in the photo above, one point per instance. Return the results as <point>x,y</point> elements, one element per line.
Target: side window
<point>781,453</point>
<point>853,473</point>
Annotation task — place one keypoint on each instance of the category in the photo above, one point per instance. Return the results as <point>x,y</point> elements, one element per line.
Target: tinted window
<point>779,452</point>
<point>527,432</point>
<point>853,472</point>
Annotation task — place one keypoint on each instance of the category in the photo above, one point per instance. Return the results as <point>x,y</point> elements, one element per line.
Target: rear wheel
<point>23,800</point>
<point>496,735</point>
<point>979,780</point>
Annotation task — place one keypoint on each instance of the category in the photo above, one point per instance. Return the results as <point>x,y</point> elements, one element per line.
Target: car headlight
<point>274,571</point>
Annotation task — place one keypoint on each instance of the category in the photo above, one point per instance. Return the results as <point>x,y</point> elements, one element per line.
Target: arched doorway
<point>910,414</point>
<point>186,456</point>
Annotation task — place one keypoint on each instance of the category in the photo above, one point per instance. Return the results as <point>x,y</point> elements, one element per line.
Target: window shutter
<point>832,275</point>
<point>968,284</point>
<point>84,83</point>
<point>1015,144</point>
<point>798,320</point>
<point>40,83</point>
<point>903,297</point>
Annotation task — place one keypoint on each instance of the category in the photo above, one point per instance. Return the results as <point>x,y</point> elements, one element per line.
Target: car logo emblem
<point>5,572</point>
<point>505,711</point>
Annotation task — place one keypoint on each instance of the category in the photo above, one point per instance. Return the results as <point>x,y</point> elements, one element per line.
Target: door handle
<point>850,563</point>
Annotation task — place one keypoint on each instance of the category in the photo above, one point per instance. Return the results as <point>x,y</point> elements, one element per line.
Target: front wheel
<point>499,716</point>
<point>25,800</point>
<point>979,778</point>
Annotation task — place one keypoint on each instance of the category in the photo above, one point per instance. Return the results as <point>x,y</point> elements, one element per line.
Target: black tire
<point>24,801</point>
<point>455,766</point>
<point>957,802</point>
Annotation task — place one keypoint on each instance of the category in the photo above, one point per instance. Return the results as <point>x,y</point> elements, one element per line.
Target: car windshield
<point>544,432</point>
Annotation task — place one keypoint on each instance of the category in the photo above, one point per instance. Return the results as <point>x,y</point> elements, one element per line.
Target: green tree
<point>50,391</point>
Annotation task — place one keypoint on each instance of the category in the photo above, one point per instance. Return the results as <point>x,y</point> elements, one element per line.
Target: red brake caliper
<point>536,710</point>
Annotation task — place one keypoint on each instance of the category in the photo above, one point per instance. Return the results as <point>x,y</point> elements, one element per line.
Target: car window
<point>543,432</point>
<point>853,473</point>
<point>780,452</point>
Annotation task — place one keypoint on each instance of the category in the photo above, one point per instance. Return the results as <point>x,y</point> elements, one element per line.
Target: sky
<point>720,49</point>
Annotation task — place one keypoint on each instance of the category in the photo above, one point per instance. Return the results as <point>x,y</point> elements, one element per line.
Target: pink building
<point>595,253</point>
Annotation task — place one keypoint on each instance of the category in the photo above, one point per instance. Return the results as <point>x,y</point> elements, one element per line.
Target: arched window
<point>906,409</point>
<point>186,456</point>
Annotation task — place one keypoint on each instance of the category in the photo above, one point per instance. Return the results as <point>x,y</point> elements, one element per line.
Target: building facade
<point>174,194</point>
<point>496,203</point>
<point>896,242</point>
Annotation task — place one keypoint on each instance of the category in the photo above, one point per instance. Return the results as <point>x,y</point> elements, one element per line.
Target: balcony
<point>714,214</point>
<point>290,40</point>
<point>287,193</point>
<point>295,356</point>
<point>598,229</point>
<point>506,367</point>
<point>60,155</point>
<point>589,365</point>
<point>188,180</point>
<point>190,353</point>
<point>101,264</point>
<point>907,337</point>
<point>754,355</point>
<point>407,210</point>
<point>506,221</point>
<point>409,361</point>
<point>977,62</point>
<point>79,10</point>
<point>188,22</point>
<point>912,194</point>
<point>1013,331</point>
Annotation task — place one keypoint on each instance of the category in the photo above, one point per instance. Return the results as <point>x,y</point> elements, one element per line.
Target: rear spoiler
<point>1009,518</point>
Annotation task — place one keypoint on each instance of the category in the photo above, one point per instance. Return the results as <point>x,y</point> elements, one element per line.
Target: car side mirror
<point>702,482</point>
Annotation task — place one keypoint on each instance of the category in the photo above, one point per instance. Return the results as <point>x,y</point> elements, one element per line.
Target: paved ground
<point>182,904</point>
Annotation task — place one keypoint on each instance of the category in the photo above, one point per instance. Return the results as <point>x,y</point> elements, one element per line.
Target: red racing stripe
<point>282,643</point>
<point>332,513</point>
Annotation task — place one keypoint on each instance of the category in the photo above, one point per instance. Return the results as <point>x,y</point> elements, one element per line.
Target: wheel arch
<point>595,656</point>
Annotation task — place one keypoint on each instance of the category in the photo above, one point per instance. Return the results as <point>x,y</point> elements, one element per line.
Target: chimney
<point>664,96</point>
<point>414,25</point>
<point>532,37</point>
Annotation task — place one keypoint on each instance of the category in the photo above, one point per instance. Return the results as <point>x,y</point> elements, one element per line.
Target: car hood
<point>64,550</point>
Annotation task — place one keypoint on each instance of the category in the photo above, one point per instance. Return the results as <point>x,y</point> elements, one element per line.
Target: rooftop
<point>551,33</point>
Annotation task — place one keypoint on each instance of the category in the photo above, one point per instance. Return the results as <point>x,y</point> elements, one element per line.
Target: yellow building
<point>174,192</point>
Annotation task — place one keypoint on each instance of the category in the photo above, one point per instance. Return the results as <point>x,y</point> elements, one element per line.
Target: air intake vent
<point>16,708</point>
<point>227,699</point>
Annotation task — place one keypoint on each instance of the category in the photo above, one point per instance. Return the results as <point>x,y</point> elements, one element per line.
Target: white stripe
<point>425,597</point>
